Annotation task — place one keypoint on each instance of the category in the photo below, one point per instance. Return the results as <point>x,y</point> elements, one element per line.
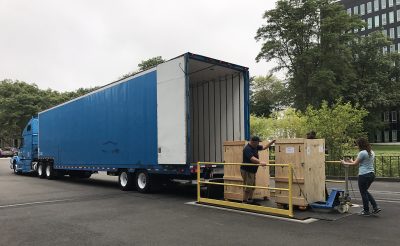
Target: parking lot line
<point>33,203</point>
<point>306,221</point>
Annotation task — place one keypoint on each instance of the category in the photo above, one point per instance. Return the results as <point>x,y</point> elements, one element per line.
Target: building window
<point>384,32</point>
<point>391,31</point>
<point>390,3</point>
<point>384,50</point>
<point>394,116</point>
<point>386,135</point>
<point>391,17</point>
<point>392,48</point>
<point>369,7</point>
<point>394,135</point>
<point>376,5</point>
<point>398,48</point>
<point>378,135</point>
<point>349,11</point>
<point>376,22</point>
<point>397,2</point>
<point>398,15</point>
<point>383,19</point>
<point>386,117</point>
<point>369,23</point>
<point>398,31</point>
<point>355,10</point>
<point>383,4</point>
<point>362,9</point>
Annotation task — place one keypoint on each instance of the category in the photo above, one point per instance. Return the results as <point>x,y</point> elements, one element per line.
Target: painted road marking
<point>306,221</point>
<point>33,203</point>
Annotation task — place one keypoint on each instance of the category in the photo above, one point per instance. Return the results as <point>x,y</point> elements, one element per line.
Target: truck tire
<point>41,170</point>
<point>50,172</point>
<point>144,181</point>
<point>126,180</point>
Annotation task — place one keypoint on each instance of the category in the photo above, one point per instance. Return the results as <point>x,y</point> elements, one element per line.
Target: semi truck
<point>147,128</point>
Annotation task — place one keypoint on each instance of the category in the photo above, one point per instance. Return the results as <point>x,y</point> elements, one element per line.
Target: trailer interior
<point>217,109</point>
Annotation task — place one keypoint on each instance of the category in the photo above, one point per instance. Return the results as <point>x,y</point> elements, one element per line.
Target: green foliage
<point>288,123</point>
<point>144,65</point>
<point>19,101</point>
<point>340,125</point>
<point>268,94</point>
<point>310,40</point>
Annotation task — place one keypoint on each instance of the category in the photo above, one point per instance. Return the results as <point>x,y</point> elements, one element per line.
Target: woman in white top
<point>366,175</point>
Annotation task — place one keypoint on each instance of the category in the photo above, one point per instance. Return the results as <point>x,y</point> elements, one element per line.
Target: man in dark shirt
<point>250,156</point>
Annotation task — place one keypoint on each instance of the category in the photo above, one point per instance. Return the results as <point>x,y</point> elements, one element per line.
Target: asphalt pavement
<point>37,211</point>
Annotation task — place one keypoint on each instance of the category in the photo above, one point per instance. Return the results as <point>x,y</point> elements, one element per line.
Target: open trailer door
<point>171,112</point>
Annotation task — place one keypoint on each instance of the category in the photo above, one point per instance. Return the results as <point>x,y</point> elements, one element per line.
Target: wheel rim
<point>48,171</point>
<point>40,171</point>
<point>142,180</point>
<point>123,179</point>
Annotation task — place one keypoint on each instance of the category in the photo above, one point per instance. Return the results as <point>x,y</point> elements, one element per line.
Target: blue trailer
<point>149,127</point>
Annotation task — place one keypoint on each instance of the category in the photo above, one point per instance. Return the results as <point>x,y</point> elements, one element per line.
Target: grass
<point>386,149</point>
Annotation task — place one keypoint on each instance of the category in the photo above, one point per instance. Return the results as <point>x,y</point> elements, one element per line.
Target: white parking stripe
<point>306,221</point>
<point>32,203</point>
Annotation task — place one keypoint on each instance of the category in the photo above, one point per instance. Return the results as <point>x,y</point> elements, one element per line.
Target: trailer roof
<point>190,56</point>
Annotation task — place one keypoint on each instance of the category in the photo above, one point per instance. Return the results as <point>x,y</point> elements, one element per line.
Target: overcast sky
<point>65,45</point>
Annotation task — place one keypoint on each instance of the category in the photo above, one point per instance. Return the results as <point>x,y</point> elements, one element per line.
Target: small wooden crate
<point>308,159</point>
<point>233,153</point>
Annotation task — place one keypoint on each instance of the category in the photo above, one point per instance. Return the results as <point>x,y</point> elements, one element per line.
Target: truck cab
<point>26,160</point>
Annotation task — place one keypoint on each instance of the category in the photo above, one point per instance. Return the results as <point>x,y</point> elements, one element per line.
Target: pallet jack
<point>338,199</point>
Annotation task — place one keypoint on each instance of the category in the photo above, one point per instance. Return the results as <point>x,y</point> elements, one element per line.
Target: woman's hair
<point>363,144</point>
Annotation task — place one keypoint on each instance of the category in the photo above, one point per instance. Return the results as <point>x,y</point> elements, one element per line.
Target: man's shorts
<point>248,179</point>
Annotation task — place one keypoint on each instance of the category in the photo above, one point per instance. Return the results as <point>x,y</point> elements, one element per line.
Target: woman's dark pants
<point>364,182</point>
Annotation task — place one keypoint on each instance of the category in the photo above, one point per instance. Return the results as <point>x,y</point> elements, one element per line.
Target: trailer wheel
<point>126,181</point>
<point>41,170</point>
<point>50,172</point>
<point>143,181</point>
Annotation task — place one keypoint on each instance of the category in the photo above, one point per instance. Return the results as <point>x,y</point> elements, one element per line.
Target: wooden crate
<point>308,159</point>
<point>233,153</point>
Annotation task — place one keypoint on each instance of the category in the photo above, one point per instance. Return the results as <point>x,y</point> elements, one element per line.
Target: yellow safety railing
<point>256,208</point>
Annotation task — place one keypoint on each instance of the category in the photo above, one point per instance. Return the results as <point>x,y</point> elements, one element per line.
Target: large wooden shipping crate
<point>308,159</point>
<point>233,153</point>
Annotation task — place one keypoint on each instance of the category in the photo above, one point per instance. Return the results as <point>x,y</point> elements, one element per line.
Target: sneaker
<point>364,213</point>
<point>376,210</point>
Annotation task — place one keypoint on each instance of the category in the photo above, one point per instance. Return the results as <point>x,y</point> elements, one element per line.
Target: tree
<point>144,65</point>
<point>377,83</point>
<point>339,124</point>
<point>268,94</point>
<point>19,101</point>
<point>309,39</point>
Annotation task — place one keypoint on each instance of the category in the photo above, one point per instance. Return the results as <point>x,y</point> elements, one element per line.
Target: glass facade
<point>369,7</point>
<point>362,9</point>
<point>391,17</point>
<point>384,16</point>
<point>376,5</point>
<point>369,23</point>
<point>376,21</point>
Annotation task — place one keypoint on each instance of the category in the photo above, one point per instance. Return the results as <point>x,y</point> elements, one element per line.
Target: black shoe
<point>376,210</point>
<point>364,213</point>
